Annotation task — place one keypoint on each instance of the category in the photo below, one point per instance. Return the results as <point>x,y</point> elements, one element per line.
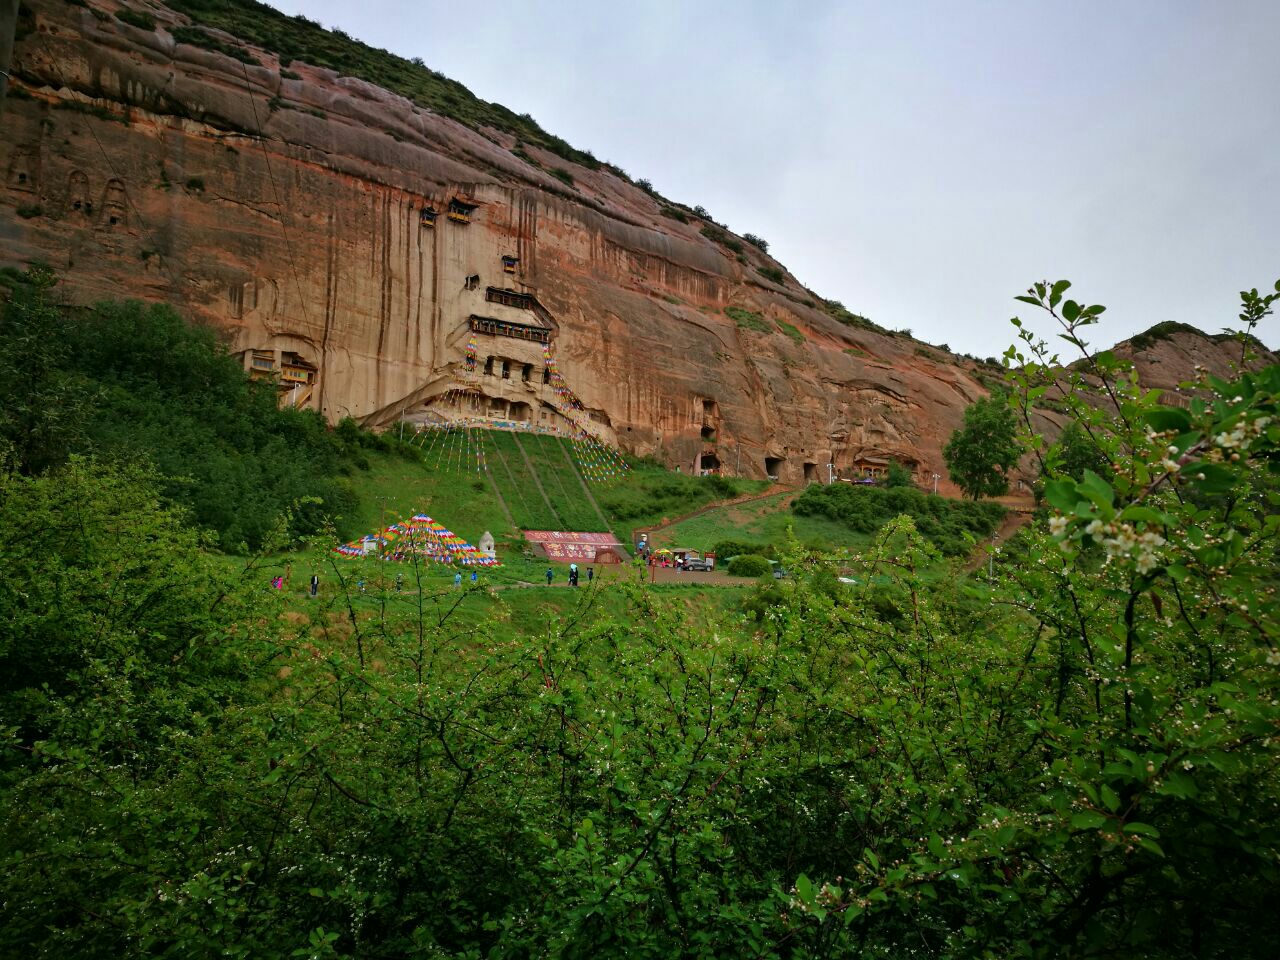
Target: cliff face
<point>307,215</point>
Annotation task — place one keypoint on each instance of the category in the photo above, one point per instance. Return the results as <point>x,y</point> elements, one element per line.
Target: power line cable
<point>151,238</point>
<point>262,140</point>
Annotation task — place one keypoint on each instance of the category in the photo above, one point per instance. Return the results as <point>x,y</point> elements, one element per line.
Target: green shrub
<point>755,241</point>
<point>721,236</point>
<point>563,175</point>
<point>950,525</point>
<point>675,213</point>
<point>1167,329</point>
<point>727,549</point>
<point>749,565</point>
<point>519,151</point>
<point>748,319</point>
<point>290,75</point>
<point>776,275</point>
<point>136,382</point>
<point>195,37</point>
<point>791,330</point>
<point>136,18</point>
<point>195,183</point>
<point>29,210</point>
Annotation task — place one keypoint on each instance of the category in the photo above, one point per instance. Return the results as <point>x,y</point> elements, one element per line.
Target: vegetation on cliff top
<point>297,38</point>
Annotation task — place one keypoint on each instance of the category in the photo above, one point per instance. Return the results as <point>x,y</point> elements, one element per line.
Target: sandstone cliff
<point>325,222</point>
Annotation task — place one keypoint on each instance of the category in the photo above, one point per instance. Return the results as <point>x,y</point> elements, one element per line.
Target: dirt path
<point>773,491</point>
<point>1012,522</point>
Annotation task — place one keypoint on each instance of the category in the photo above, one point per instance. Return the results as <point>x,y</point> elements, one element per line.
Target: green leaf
<point>1136,513</point>
<point>1071,311</point>
<point>1097,489</point>
<point>1087,820</point>
<point>1062,493</point>
<point>1144,828</point>
<point>804,889</point>
<point>1146,843</point>
<point>1168,418</point>
<point>1210,477</point>
<point>1178,784</point>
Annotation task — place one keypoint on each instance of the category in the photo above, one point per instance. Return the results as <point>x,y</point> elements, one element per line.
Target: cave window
<point>113,220</point>
<point>506,370</point>
<point>488,367</point>
<point>811,473</point>
<point>473,281</point>
<point>772,465</point>
<point>708,433</point>
<point>527,372</point>
<point>546,374</point>
<point>22,178</point>
<point>76,205</point>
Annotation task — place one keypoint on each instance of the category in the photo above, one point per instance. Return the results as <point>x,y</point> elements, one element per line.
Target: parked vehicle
<point>699,565</point>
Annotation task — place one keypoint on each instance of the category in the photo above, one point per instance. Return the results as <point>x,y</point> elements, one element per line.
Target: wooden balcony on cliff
<point>294,369</point>
<point>509,264</point>
<point>461,209</point>
<point>510,298</point>
<point>262,363</point>
<point>427,216</point>
<point>506,328</point>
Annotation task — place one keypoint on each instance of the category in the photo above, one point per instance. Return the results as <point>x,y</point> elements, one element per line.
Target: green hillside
<point>530,482</point>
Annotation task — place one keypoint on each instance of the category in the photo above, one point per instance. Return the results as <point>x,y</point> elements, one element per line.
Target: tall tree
<point>982,452</point>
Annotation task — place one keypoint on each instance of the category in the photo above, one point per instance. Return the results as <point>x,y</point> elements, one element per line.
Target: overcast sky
<point>920,162</point>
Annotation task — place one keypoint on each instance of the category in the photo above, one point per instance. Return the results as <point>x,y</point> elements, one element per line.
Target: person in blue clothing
<point>457,579</point>
<point>474,576</point>
<point>550,574</point>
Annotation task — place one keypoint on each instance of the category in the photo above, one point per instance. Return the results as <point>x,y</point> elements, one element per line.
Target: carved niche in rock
<point>24,169</point>
<point>78,200</point>
<point>115,206</point>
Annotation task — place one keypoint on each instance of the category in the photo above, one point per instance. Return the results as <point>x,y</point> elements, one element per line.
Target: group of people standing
<point>573,575</point>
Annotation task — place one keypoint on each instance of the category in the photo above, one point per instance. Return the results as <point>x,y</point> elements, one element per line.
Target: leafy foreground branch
<point>1073,759</point>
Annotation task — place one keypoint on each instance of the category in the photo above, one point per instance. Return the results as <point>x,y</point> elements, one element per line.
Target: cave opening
<point>773,466</point>
<point>811,473</point>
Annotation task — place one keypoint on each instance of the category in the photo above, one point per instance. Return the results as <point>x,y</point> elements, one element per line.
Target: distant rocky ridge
<point>398,263</point>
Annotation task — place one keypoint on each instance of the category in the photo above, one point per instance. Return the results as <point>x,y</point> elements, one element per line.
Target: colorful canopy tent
<point>418,536</point>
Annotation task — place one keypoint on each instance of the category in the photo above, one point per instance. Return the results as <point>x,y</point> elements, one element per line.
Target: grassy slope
<point>761,521</point>
<point>448,487</point>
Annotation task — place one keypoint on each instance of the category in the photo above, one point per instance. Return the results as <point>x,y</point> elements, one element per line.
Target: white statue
<point>486,545</point>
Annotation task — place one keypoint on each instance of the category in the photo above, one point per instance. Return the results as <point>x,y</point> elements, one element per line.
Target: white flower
<point>1058,525</point>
